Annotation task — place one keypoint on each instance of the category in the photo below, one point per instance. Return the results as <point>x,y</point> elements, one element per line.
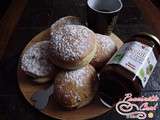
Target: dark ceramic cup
<point>102,15</point>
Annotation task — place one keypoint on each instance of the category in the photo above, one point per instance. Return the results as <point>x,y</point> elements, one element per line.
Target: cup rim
<point>114,11</point>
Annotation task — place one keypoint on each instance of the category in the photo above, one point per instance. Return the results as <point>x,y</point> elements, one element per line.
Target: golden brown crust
<point>72,46</point>
<point>105,49</point>
<point>74,89</point>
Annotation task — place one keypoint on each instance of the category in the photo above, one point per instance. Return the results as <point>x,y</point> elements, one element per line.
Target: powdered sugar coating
<point>106,43</point>
<point>105,50</point>
<point>72,42</point>
<point>77,76</point>
<point>73,87</point>
<point>35,60</point>
<point>68,20</point>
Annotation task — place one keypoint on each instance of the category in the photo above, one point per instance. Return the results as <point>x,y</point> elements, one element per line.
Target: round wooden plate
<point>28,88</point>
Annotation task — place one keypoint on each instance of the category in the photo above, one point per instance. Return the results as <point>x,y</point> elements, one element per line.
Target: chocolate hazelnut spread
<point>129,70</point>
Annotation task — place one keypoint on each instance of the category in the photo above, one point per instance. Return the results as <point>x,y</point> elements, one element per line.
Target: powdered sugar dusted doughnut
<point>35,61</point>
<point>105,49</point>
<point>74,89</point>
<point>72,46</point>
<point>68,20</point>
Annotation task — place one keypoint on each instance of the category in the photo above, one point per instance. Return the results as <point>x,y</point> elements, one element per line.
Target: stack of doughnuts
<point>71,56</point>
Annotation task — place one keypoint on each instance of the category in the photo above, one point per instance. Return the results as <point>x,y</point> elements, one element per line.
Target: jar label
<point>137,58</point>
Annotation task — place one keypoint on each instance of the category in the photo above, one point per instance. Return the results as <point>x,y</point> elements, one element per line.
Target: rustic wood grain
<point>39,15</point>
<point>151,14</point>
<point>8,22</point>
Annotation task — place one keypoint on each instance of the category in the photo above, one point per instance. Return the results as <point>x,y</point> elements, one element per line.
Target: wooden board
<point>8,23</point>
<point>94,109</point>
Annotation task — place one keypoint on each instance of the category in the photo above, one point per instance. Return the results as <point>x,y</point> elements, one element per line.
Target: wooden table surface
<point>39,15</point>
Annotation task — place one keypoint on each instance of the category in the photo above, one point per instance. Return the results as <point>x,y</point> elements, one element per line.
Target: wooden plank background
<point>37,16</point>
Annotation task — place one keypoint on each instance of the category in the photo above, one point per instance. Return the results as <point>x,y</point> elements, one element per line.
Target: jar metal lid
<point>154,38</point>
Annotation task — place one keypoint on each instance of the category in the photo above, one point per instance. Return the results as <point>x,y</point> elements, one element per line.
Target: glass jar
<point>128,71</point>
